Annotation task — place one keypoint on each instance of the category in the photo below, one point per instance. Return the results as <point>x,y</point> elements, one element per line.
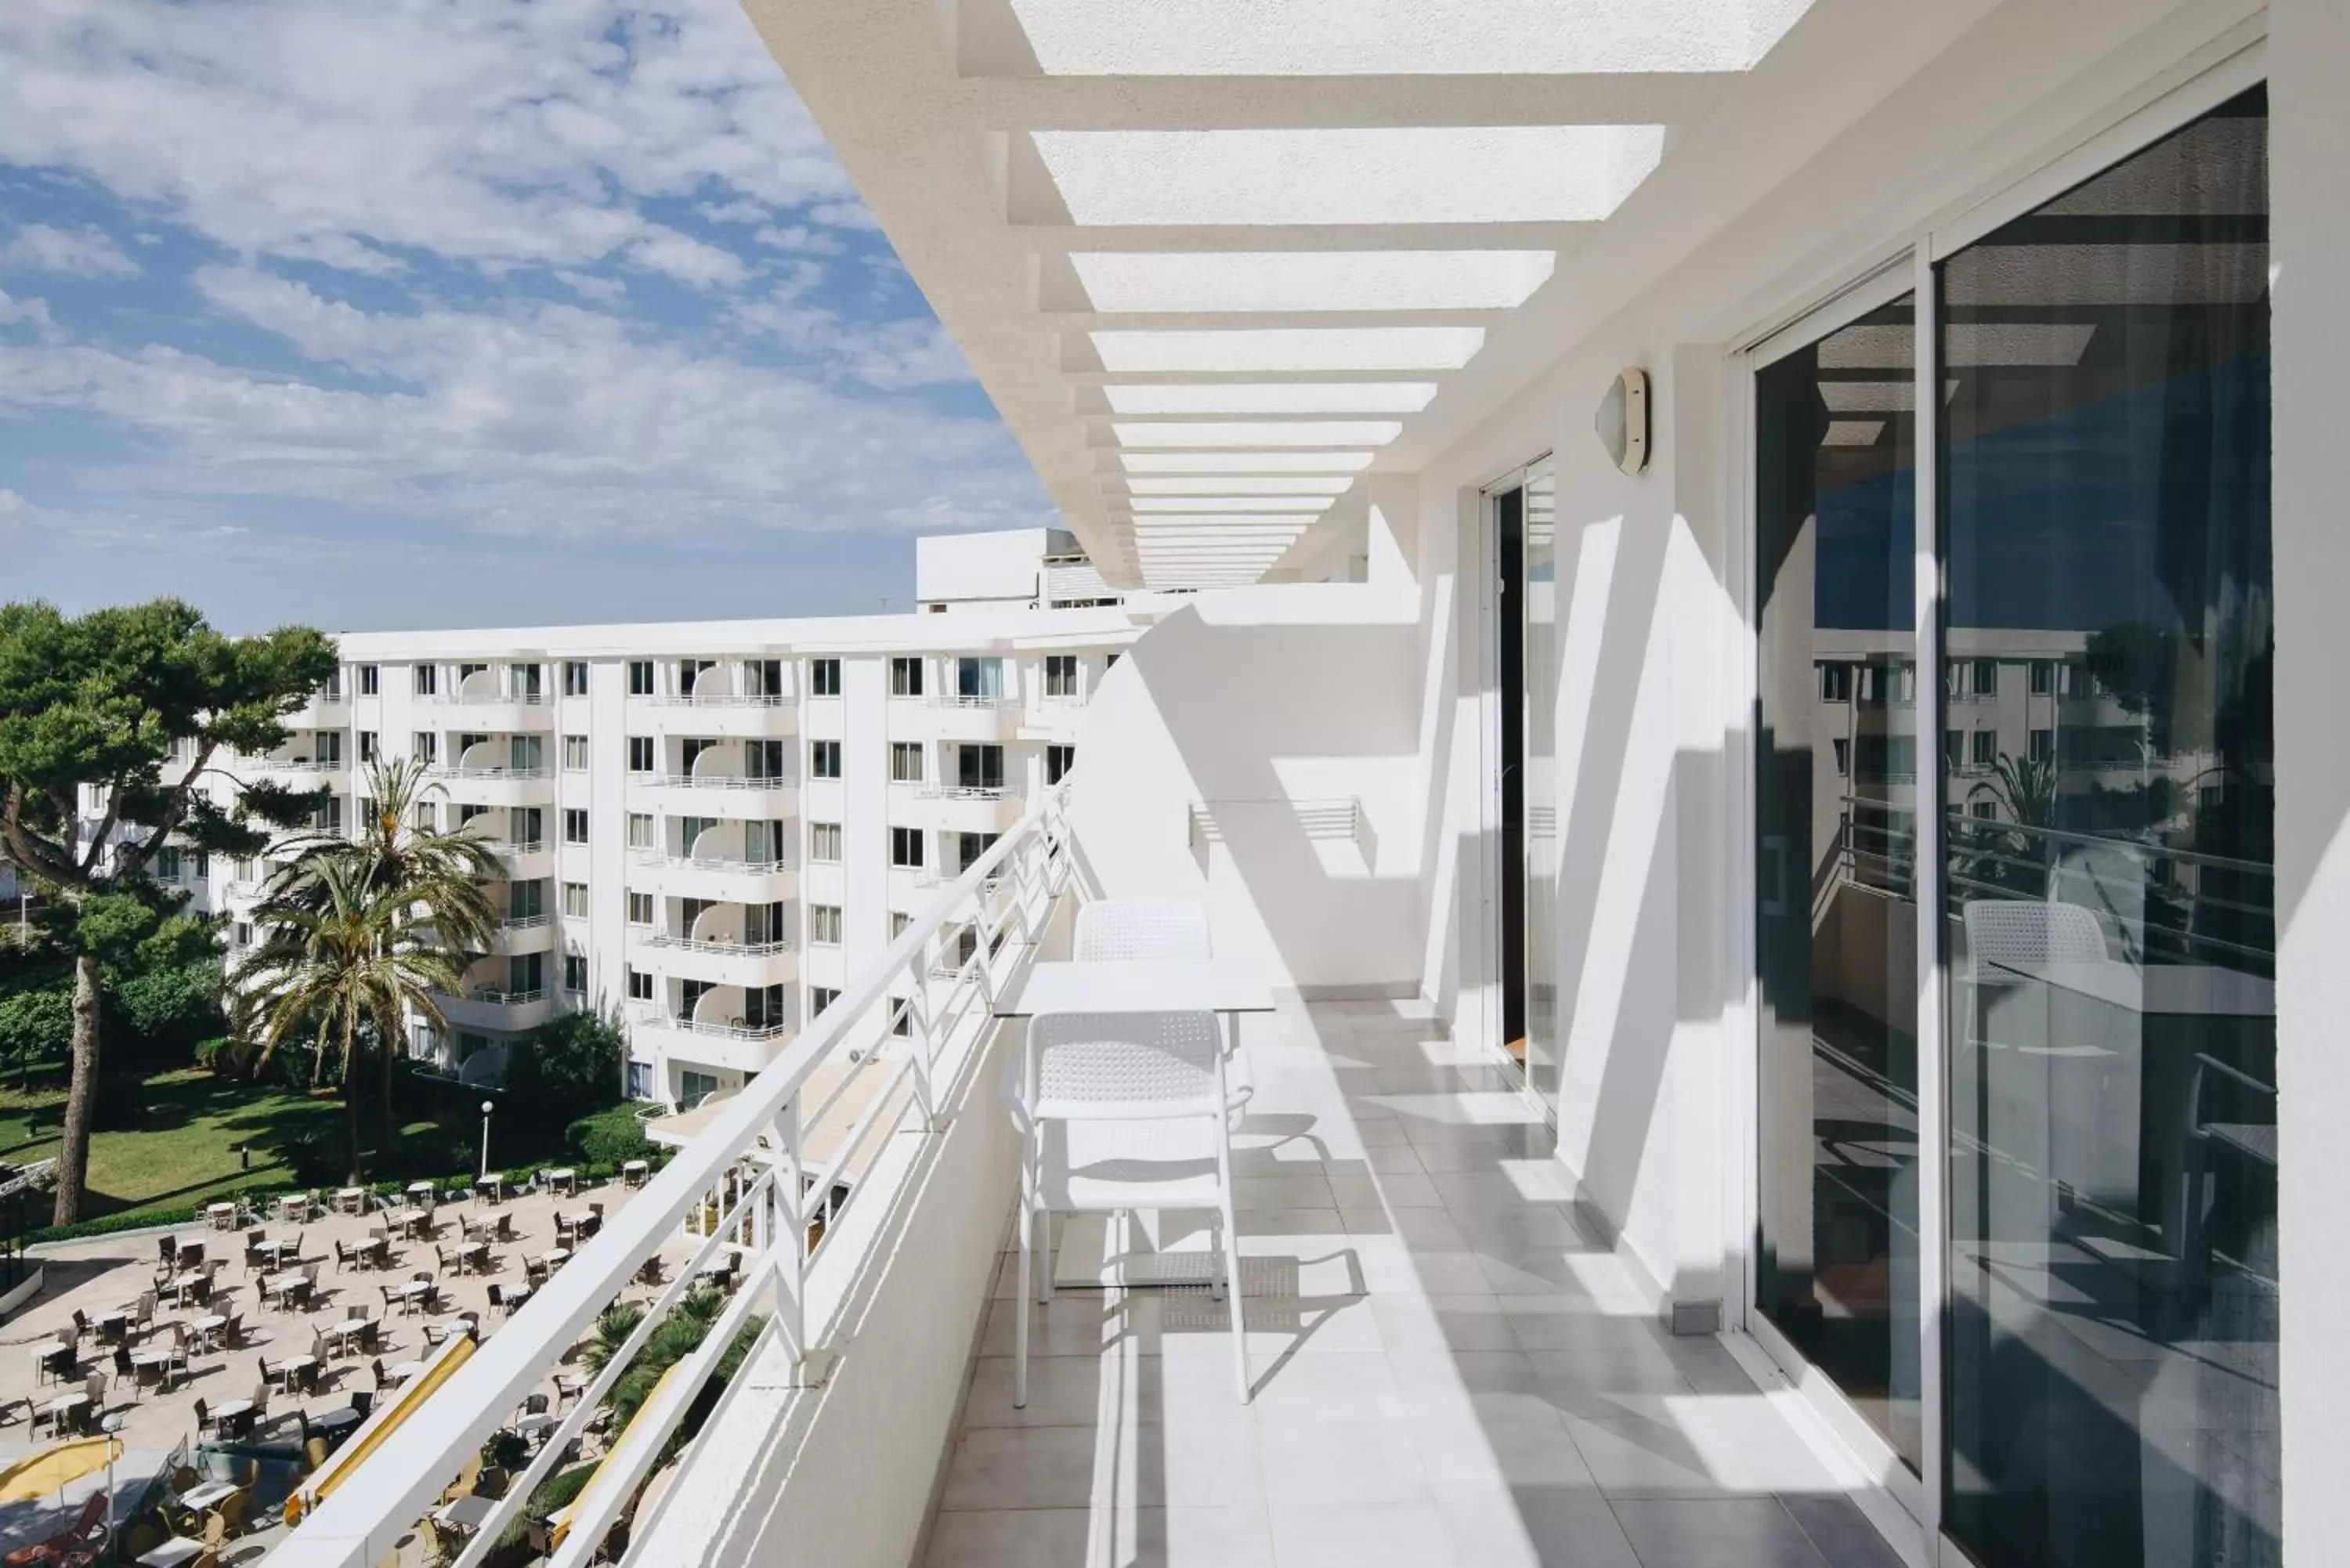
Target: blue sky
<point>413,313</point>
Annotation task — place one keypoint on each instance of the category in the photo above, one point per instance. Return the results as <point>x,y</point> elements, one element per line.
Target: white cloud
<point>11,504</point>
<point>594,286</point>
<point>34,311</point>
<point>537,419</point>
<point>689,260</point>
<point>85,252</point>
<point>500,134</point>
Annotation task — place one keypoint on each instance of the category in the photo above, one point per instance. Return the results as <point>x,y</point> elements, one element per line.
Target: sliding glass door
<point>1835,914</point>
<point>2109,862</point>
<point>2048,1281</point>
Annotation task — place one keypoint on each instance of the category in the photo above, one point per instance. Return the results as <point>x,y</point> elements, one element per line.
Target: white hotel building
<point>707,826</point>
<point>1764,688</point>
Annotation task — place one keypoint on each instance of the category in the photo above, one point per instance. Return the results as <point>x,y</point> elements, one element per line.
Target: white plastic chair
<point>1116,1112</point>
<point>1110,930</point>
<point>2024,933</point>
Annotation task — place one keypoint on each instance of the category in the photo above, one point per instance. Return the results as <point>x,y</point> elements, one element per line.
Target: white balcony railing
<point>506,998</point>
<point>491,700</point>
<point>722,700</point>
<point>823,1078</point>
<point>714,781</point>
<point>733,1028</point>
<point>968,791</point>
<point>525,922</point>
<point>723,948</point>
<point>707,862</point>
<point>961,700</point>
<point>505,850</point>
<point>459,771</point>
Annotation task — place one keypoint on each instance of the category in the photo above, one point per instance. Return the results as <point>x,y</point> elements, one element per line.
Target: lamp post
<point>487,1106</point>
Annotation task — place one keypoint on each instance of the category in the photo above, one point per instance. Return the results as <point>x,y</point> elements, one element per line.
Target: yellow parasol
<point>52,1469</point>
<point>633,1436</point>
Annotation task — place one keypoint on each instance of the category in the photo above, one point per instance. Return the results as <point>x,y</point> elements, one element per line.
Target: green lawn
<point>183,1149</point>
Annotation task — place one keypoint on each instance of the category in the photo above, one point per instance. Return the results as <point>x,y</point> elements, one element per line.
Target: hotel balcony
<point>718,960</point>
<point>722,713</point>
<point>536,933</point>
<point>949,717</point>
<point>962,808</point>
<point>494,1008</point>
<point>716,866</point>
<point>718,786</point>
<point>481,701</point>
<point>526,862</point>
<point>487,774</point>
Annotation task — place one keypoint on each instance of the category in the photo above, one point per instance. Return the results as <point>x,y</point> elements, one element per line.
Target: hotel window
<point>1843,757</point>
<point>824,759</point>
<point>2044,746</point>
<point>368,739</point>
<point>1060,675</point>
<point>1058,761</point>
<point>905,678</point>
<point>574,973</point>
<point>763,677</point>
<point>428,815</point>
<point>575,825</point>
<point>575,678</point>
<point>688,675</point>
<point>329,817</point>
<point>979,680</point>
<point>1954,748</point>
<point>824,842</point>
<point>905,846</point>
<point>1109,662</point>
<point>241,933</point>
<point>823,925</point>
<point>640,753</point>
<point>823,677</point>
<point>371,680</point>
<point>821,997</point>
<point>641,986</point>
<point>167,865</point>
<point>327,746</point>
<point>640,909</point>
<point>1985,748</point>
<point>2044,676</point>
<point>979,766</point>
<point>898,921</point>
<point>906,761</point>
<point>763,759</point>
<point>426,747</point>
<point>575,753</point>
<point>1836,682</point>
<point>640,677</point>
<point>640,830</point>
<point>425,679</point>
<point>575,900</point>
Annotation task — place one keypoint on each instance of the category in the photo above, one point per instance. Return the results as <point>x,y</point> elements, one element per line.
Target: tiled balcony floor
<point>1447,1370</point>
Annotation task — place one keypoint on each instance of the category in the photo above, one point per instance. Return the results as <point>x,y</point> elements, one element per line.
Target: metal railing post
<point>787,1233</point>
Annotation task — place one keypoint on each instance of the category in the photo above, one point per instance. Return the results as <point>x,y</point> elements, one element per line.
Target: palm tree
<point>341,961</point>
<point>435,880</point>
<point>418,894</point>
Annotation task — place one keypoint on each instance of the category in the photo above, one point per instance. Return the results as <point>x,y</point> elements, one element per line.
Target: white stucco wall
<point>1269,705</point>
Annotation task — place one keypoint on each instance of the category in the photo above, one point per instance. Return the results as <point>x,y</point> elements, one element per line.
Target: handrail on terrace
<point>1005,896</point>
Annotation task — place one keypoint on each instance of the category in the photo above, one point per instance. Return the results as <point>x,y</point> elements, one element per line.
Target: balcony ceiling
<point>1216,261</point>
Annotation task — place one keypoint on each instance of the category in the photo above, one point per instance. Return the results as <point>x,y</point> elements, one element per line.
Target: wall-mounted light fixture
<point>1622,420</point>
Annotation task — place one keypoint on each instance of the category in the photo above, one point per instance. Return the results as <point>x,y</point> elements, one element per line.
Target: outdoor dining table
<point>350,1331</point>
<point>351,1199</point>
<point>278,1248</point>
<point>555,1257</point>
<point>279,1284</point>
<point>336,1423</point>
<point>178,1286</point>
<point>205,1327</point>
<point>410,1293</point>
<point>158,1361</point>
<point>495,1184</point>
<point>46,1357</point>
<point>565,1181</point>
<point>115,1322</point>
<point>410,1221</point>
<point>179,1550</point>
<point>65,1405</point>
<point>401,1372</point>
<point>474,1255</point>
<point>222,1216</point>
<point>293,1368</point>
<point>420,1192</point>
<point>466,1513</point>
<point>1221,986</point>
<point>294,1206</point>
<point>206,1494</point>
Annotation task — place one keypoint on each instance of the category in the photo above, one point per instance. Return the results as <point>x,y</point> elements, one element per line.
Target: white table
<point>401,1372</point>
<point>466,1513</point>
<point>1224,986</point>
<point>179,1549</point>
<point>422,1190</point>
<point>222,1215</point>
<point>204,1494</point>
<point>228,1410</point>
<point>1227,986</point>
<point>408,1294</point>
<point>2170,990</point>
<point>205,1327</point>
<point>566,1180</point>
<point>554,1257</point>
<point>293,1369</point>
<point>294,1206</point>
<point>351,1199</point>
<point>350,1331</point>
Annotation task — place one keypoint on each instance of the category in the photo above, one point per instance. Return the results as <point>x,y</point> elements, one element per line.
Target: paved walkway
<point>1447,1370</point>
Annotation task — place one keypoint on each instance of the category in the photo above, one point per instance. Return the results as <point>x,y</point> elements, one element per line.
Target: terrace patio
<point>1447,1367</point>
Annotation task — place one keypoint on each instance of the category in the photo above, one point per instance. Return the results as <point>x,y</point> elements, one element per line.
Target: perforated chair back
<point>1112,929</point>
<point>1084,1066</point>
<point>2021,933</point>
